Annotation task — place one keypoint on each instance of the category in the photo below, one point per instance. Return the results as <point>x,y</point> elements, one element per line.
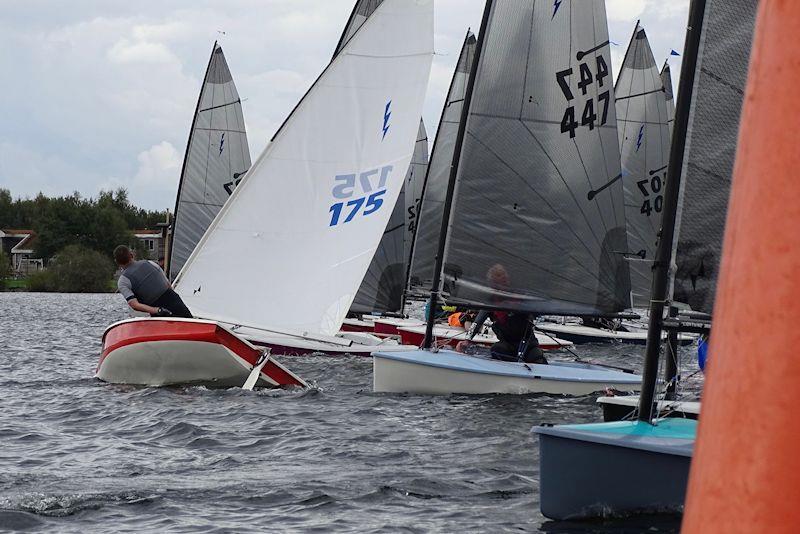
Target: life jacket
<point>454,319</point>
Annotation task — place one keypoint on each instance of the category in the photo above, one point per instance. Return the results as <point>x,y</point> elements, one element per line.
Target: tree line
<point>76,236</point>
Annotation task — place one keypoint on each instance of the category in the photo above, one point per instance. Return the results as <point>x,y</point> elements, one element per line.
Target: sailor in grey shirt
<point>146,288</point>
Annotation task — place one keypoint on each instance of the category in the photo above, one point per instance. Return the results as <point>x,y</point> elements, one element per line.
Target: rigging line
<point>533,228</point>
<point>527,261</point>
<point>602,146</point>
<point>237,101</point>
<point>656,171</point>
<point>534,191</point>
<point>641,122</point>
<point>527,64</point>
<point>569,189</point>
<point>226,130</point>
<point>641,94</point>
<point>208,148</point>
<point>589,180</point>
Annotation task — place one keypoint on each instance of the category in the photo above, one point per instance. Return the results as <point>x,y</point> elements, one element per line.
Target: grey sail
<point>538,221</point>
<point>415,181</point>
<point>429,223</point>
<point>217,156</point>
<point>666,81</point>
<point>644,140</point>
<point>361,12</point>
<point>384,283</point>
<point>710,148</point>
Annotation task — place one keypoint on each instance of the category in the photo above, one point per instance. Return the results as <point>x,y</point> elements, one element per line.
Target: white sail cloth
<point>644,141</point>
<point>290,248</point>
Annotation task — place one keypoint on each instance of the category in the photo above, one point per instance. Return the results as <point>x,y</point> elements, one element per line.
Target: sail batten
<point>537,222</point>
<point>293,244</point>
<point>217,154</point>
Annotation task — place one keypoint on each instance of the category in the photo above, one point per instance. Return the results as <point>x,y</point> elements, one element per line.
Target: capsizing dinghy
<point>172,351</point>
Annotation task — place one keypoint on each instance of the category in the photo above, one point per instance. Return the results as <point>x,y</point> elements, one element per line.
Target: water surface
<point>79,455</point>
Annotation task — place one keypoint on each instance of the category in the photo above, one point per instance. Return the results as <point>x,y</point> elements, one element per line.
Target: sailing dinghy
<point>162,352</point>
<point>532,220</point>
<point>649,458</point>
<point>283,260</point>
<point>172,351</point>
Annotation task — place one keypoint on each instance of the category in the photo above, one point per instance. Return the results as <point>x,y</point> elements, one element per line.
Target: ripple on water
<point>79,455</point>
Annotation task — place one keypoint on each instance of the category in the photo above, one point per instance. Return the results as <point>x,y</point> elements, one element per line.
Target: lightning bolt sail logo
<point>386,115</point>
<point>221,143</point>
<point>639,139</point>
<point>556,5</point>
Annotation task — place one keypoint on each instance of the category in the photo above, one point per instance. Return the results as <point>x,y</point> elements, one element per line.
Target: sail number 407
<point>593,114</point>
<point>358,194</point>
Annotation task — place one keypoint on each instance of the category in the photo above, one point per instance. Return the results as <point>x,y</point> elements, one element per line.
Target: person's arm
<point>138,306</point>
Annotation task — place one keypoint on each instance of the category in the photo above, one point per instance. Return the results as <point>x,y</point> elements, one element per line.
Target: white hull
<point>447,372</point>
<point>171,351</point>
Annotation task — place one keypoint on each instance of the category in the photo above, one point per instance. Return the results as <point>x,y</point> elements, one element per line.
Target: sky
<point>99,94</point>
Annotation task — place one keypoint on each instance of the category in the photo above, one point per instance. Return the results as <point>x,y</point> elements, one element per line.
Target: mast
<point>168,257</point>
<point>433,302</point>
<point>661,275</point>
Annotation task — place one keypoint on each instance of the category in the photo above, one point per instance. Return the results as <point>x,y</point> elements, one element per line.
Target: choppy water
<point>77,455</point>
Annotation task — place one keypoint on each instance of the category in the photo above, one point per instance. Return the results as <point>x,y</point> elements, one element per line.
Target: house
<point>18,245</point>
<point>153,241</point>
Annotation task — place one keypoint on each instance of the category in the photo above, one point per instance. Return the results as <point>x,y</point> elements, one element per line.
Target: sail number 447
<point>594,113</point>
<point>367,187</point>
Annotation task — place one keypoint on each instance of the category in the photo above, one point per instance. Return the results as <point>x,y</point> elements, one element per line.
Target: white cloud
<point>625,10</point>
<point>159,166</point>
<point>125,51</point>
<point>96,84</point>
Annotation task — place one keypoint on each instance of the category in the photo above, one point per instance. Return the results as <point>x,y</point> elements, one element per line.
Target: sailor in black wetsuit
<point>146,288</point>
<point>516,339</point>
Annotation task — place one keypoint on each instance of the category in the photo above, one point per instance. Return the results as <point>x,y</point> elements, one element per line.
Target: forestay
<point>217,156</point>
<point>538,220</point>
<point>429,223</point>
<point>290,248</point>
<point>644,140</point>
<point>711,148</point>
<point>382,288</point>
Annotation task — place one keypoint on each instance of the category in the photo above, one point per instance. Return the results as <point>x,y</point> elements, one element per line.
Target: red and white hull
<point>172,351</point>
<point>450,336</point>
<point>351,324</point>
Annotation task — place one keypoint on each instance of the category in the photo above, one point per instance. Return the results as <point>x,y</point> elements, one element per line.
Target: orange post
<point>745,474</point>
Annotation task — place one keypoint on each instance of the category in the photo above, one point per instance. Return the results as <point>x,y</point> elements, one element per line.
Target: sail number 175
<point>356,191</point>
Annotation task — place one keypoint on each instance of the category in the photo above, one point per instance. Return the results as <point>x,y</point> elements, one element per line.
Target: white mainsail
<point>290,248</point>
<point>644,140</point>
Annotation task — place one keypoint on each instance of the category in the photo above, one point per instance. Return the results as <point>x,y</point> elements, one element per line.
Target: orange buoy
<point>745,474</point>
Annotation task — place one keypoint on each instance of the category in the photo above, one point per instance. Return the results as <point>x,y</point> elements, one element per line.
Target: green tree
<point>78,269</point>
<point>5,267</point>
